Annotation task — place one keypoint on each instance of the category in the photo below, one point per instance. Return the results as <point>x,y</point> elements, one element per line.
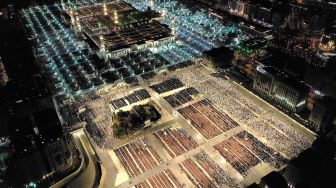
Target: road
<point>90,174</point>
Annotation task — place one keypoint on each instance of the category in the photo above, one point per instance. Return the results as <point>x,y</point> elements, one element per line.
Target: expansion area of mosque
<point>168,94</point>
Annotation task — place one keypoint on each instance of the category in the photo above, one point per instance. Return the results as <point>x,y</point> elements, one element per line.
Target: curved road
<point>90,175</point>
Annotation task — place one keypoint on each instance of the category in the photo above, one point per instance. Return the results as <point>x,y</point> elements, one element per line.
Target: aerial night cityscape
<point>168,93</point>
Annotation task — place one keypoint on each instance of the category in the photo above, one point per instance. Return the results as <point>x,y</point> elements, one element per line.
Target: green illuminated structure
<point>252,46</point>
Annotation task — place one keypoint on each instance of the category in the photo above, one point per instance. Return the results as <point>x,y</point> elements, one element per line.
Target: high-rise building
<point>52,160</point>
<point>43,153</point>
<point>273,180</point>
<point>264,14</point>
<point>265,80</point>
<point>3,74</point>
<point>323,114</point>
<point>328,43</point>
<point>291,94</point>
<point>281,88</point>
<point>314,167</point>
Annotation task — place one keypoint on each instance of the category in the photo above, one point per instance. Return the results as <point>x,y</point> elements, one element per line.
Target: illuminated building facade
<point>238,7</point>
<point>328,43</point>
<point>322,116</point>
<point>251,10</point>
<point>291,94</point>
<point>265,80</point>
<point>279,87</point>
<point>3,75</point>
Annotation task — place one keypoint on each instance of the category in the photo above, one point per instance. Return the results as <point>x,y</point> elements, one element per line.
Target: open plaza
<point>213,133</point>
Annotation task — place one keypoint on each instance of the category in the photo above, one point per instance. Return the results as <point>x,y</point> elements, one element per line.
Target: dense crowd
<point>181,97</point>
<point>237,155</point>
<point>292,133</point>
<point>264,152</point>
<point>219,175</point>
<point>283,143</point>
<point>228,98</point>
<point>176,141</point>
<point>223,94</point>
<point>138,157</point>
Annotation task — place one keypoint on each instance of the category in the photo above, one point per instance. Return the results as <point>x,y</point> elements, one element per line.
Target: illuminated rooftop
<point>116,25</point>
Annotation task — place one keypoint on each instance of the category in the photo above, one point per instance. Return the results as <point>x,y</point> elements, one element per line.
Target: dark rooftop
<point>32,131</point>
<point>300,86</point>
<point>215,52</point>
<point>274,180</point>
<point>317,164</point>
<point>271,71</point>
